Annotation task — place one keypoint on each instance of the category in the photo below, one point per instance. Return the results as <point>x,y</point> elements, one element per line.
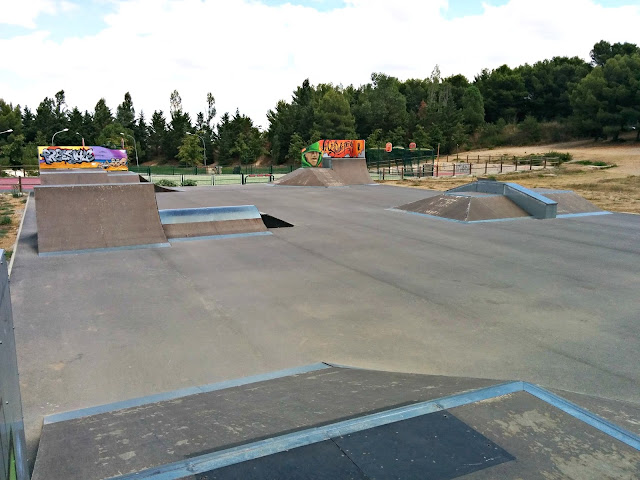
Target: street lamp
<point>134,146</point>
<point>204,149</point>
<point>7,131</point>
<point>54,135</point>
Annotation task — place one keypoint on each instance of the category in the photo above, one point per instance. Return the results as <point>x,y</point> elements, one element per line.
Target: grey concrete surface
<point>553,302</point>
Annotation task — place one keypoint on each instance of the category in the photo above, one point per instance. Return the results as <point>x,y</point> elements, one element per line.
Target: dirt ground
<point>13,208</point>
<point>616,189</point>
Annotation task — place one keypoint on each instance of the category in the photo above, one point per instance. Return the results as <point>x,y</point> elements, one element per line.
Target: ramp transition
<point>337,422</point>
<point>209,221</point>
<point>338,172</point>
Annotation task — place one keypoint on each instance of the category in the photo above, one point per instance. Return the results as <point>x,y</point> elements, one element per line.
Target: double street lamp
<point>54,135</point>
<point>134,145</point>
<point>204,149</point>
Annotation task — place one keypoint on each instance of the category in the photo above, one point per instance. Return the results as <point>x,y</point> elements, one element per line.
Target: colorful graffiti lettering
<point>343,148</point>
<point>82,157</point>
<point>54,154</point>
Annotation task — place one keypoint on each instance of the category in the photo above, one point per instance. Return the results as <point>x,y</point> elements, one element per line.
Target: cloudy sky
<point>252,53</point>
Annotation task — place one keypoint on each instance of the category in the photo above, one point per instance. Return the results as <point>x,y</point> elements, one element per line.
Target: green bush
<point>166,183</point>
<point>562,157</point>
<point>5,220</point>
<point>189,183</point>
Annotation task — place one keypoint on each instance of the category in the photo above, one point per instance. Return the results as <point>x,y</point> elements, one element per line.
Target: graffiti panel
<point>312,155</point>
<point>82,157</point>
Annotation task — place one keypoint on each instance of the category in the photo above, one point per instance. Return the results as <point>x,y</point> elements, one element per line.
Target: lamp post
<point>7,131</point>
<point>204,149</point>
<point>134,146</point>
<point>54,135</point>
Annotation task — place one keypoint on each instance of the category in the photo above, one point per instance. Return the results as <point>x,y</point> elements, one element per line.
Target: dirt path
<point>615,189</point>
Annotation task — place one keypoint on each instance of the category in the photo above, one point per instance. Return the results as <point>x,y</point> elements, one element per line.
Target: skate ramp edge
<point>187,223</point>
<point>79,218</point>
<point>293,416</point>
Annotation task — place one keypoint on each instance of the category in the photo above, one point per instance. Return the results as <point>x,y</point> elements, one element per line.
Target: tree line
<point>550,100</point>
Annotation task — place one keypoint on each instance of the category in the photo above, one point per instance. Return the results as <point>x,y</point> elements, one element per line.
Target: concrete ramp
<point>351,171</point>
<point>569,202</point>
<point>323,421</point>
<point>83,217</point>
<point>311,177</point>
<point>340,173</point>
<point>211,221</point>
<point>123,177</point>
<point>467,207</point>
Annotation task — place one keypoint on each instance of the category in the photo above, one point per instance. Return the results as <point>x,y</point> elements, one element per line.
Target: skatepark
<point>428,314</point>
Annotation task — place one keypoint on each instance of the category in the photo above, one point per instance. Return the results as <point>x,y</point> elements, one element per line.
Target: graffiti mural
<point>82,157</point>
<point>312,155</point>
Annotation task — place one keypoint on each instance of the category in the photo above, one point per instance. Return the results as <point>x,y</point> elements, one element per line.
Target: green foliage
<point>295,147</point>
<point>562,157</point>
<point>472,108</point>
<point>190,152</point>
<point>5,220</point>
<point>333,117</point>
<point>531,130</point>
<point>187,182</point>
<point>166,183</point>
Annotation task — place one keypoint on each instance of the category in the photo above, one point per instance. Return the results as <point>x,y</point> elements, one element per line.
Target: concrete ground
<point>553,302</point>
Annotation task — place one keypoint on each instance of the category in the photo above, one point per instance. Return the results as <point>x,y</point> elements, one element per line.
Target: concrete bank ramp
<point>569,202</point>
<point>342,172</point>
<point>467,207</point>
<point>326,422</point>
<point>83,217</point>
<point>210,221</point>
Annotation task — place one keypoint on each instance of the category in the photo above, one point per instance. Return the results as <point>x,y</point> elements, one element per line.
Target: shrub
<point>189,183</point>
<point>5,220</point>
<point>562,157</point>
<point>166,183</point>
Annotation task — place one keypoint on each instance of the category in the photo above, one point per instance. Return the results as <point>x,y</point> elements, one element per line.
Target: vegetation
<point>549,101</point>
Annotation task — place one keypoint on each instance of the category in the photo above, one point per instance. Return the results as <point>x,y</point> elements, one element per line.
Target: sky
<point>252,53</point>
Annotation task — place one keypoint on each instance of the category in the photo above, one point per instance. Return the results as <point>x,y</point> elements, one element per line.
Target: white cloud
<point>23,13</point>
<point>250,55</point>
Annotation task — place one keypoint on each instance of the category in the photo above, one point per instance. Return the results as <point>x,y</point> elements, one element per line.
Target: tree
<point>503,92</point>
<point>157,132</point>
<point>179,125</point>
<point>211,108</point>
<point>295,147</point>
<point>472,108</point>
<point>190,152</point>
<point>101,116</point>
<point>608,99</point>
<point>126,114</point>
<point>381,105</point>
<point>603,51</point>
<point>333,117</point>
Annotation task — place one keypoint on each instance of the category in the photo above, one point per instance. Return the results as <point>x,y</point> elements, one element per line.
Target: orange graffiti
<point>342,148</point>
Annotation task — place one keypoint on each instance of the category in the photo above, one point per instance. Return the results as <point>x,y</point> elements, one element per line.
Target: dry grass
<point>11,211</point>
<point>615,189</point>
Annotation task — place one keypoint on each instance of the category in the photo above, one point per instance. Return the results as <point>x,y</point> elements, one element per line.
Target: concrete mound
<point>343,172</point>
<point>82,217</point>
<point>467,207</point>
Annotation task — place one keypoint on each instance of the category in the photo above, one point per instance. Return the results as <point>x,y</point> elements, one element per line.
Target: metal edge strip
<point>584,214</point>
<point>136,402</point>
<point>108,249</point>
<point>217,237</point>
<point>461,221</point>
<point>584,415</point>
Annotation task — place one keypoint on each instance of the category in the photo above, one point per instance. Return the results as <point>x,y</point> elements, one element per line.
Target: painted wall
<point>313,155</point>
<point>82,157</point>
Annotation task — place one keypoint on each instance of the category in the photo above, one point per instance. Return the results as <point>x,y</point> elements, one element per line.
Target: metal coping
<point>583,214</point>
<point>262,448</point>
<point>219,237</point>
<point>460,221</point>
<point>136,402</point>
<point>208,214</point>
<point>106,249</point>
<point>531,193</point>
